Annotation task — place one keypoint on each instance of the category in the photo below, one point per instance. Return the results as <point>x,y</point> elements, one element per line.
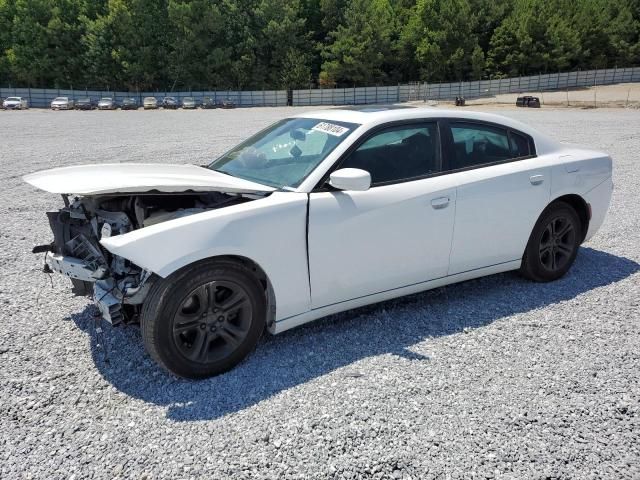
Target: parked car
<point>62,103</point>
<point>528,101</point>
<point>107,103</point>
<point>226,103</point>
<point>85,104</point>
<point>170,103</point>
<point>150,103</point>
<point>208,102</point>
<point>319,213</point>
<point>129,104</point>
<point>15,103</point>
<point>189,103</point>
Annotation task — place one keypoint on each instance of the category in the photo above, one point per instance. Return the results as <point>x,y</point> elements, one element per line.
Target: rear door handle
<point>536,179</point>
<point>440,202</point>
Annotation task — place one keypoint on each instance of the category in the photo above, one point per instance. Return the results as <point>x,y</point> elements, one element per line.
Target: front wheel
<point>204,319</point>
<point>553,244</point>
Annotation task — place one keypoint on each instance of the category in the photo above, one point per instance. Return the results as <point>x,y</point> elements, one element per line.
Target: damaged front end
<point>118,286</point>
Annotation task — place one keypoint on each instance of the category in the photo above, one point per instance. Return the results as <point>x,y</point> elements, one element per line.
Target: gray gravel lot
<point>492,378</point>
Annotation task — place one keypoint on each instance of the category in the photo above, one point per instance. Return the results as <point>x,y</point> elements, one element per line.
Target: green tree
<point>199,56</point>
<point>538,36</point>
<point>360,49</point>
<point>7,12</point>
<point>440,34</point>
<point>282,41</point>
<point>477,63</point>
<point>27,55</point>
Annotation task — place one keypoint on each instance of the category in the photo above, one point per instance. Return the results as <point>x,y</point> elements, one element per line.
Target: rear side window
<point>398,153</point>
<point>475,144</point>
<point>519,145</point>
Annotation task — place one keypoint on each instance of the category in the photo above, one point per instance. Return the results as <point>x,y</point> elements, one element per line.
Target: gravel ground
<point>492,378</point>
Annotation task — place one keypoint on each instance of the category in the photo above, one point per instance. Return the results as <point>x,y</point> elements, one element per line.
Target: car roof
<point>370,116</point>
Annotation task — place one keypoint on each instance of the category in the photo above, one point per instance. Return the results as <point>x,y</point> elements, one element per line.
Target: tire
<point>553,244</point>
<point>204,319</point>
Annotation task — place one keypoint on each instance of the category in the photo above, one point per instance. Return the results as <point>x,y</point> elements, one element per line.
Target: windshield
<point>13,99</point>
<point>61,99</point>
<point>284,154</point>
<point>105,99</point>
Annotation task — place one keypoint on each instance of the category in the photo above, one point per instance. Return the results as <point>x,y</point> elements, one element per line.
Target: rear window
<point>520,146</point>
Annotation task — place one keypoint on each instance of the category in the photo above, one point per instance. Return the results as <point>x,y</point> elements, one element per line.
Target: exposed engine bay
<point>117,286</point>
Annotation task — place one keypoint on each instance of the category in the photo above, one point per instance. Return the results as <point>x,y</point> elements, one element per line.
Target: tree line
<point>243,44</point>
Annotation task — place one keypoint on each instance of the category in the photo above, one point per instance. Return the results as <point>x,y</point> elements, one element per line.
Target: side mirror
<point>353,179</point>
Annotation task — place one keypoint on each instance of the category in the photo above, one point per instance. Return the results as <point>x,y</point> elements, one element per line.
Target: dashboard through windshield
<point>285,153</point>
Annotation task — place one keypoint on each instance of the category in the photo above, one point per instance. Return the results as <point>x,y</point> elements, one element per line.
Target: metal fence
<point>361,95</point>
<point>470,90</point>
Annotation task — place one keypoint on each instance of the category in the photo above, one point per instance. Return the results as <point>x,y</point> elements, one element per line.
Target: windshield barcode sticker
<point>331,129</point>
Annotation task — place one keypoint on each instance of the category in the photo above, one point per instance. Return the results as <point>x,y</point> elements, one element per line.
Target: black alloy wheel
<point>205,318</point>
<point>557,243</point>
<point>553,244</point>
<point>212,321</point>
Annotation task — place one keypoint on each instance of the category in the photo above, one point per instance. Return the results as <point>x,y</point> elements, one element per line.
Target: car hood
<point>139,178</point>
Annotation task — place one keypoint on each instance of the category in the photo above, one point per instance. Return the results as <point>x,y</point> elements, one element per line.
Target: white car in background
<point>316,214</point>
<point>62,103</point>
<point>15,103</point>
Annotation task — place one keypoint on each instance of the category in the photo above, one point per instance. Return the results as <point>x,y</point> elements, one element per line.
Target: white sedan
<point>15,103</point>
<point>62,103</point>
<point>316,214</point>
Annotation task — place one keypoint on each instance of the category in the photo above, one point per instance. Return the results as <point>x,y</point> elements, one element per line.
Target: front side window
<point>398,153</point>
<point>475,144</point>
<point>285,153</point>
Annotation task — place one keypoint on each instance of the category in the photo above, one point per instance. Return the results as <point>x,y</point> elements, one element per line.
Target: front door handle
<point>536,179</point>
<point>440,202</point>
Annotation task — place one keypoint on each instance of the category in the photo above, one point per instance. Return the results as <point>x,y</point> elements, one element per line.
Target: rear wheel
<point>204,319</point>
<point>553,244</point>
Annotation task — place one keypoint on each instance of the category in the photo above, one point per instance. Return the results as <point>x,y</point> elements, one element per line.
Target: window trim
<point>448,142</point>
<point>323,183</point>
<point>445,148</point>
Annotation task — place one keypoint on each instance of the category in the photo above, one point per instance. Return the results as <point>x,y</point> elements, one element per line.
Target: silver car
<point>15,103</point>
<point>62,103</point>
<point>189,103</point>
<point>106,103</point>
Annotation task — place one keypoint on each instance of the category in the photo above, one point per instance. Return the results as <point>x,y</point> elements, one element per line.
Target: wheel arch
<point>260,274</point>
<point>581,207</point>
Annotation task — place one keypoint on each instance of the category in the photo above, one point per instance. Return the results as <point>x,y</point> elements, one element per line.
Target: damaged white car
<point>314,215</point>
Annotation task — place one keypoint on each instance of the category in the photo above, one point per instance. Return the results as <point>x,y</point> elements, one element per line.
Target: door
<point>501,191</point>
<point>395,234</point>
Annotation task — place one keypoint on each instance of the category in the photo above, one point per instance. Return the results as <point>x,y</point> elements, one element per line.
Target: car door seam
<point>453,229</point>
<point>308,252</point>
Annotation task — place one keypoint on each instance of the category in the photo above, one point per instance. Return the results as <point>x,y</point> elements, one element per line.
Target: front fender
<point>270,231</point>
